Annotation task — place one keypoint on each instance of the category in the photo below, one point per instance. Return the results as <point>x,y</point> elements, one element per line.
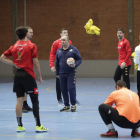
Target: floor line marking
<point>40,137</point>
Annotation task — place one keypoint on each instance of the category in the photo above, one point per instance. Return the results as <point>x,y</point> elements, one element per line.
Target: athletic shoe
<point>60,102</point>
<point>73,108</point>
<point>135,133</point>
<point>20,129</point>
<point>77,103</point>
<point>40,129</point>
<point>110,134</point>
<point>28,108</point>
<point>24,110</point>
<point>65,109</point>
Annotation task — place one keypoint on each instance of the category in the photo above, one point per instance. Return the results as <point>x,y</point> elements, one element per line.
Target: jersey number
<point>19,55</point>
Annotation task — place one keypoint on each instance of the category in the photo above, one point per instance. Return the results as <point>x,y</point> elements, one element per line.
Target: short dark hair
<point>120,83</point>
<point>21,32</point>
<point>62,30</point>
<point>28,27</point>
<point>120,29</point>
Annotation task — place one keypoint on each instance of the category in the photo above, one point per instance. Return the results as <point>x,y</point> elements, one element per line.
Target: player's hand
<point>53,69</point>
<point>123,65</point>
<point>57,76</point>
<point>72,65</point>
<point>39,80</point>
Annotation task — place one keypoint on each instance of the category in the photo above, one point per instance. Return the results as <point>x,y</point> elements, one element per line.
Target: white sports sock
<point>137,129</point>
<point>111,127</point>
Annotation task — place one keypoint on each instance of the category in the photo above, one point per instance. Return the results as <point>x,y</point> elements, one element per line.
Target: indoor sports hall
<point>94,80</point>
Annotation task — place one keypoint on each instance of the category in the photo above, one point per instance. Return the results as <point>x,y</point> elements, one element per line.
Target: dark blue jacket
<point>61,60</point>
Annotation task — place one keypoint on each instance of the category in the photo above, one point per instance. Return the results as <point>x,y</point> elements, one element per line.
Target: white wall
<point>88,68</point>
<point>6,70</point>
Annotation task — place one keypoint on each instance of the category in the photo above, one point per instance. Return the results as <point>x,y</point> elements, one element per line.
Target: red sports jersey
<point>124,51</point>
<point>23,52</point>
<point>56,45</point>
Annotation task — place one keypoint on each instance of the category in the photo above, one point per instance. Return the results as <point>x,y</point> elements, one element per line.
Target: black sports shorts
<point>24,82</point>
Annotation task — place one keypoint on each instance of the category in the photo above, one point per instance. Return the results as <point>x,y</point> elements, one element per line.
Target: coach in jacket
<point>67,73</point>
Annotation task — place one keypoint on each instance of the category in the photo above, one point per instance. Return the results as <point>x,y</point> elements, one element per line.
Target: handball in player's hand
<point>91,29</point>
<point>71,62</point>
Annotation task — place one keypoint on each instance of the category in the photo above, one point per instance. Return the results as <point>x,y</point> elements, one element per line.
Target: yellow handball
<point>91,29</point>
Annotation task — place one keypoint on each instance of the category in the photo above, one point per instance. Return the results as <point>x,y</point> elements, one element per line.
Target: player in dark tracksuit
<point>66,73</point>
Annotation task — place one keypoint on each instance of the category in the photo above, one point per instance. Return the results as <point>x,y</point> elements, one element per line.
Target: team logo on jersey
<point>35,90</point>
<point>21,45</point>
<point>121,43</point>
<point>20,49</point>
<point>71,50</point>
<point>119,47</point>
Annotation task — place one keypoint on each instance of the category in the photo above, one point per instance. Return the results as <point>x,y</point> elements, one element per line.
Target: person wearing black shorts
<point>25,106</point>
<point>25,57</point>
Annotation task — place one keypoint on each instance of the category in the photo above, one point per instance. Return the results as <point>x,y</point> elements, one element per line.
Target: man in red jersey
<point>26,107</point>
<point>25,57</point>
<point>124,64</point>
<point>55,46</point>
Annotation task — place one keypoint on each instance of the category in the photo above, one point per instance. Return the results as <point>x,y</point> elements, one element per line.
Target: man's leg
<point>118,73</point>
<point>25,100</point>
<point>58,91</point>
<point>18,88</point>
<point>26,107</point>
<point>64,89</point>
<point>125,73</point>
<point>77,102</point>
<point>110,114</point>
<point>30,87</point>
<point>20,99</point>
<point>19,110</point>
<point>35,102</point>
<point>71,84</point>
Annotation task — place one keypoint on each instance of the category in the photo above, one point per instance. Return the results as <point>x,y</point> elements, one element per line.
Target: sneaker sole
<point>40,131</point>
<point>66,111</point>
<point>73,110</point>
<point>134,135</point>
<point>110,136</point>
<point>21,131</point>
